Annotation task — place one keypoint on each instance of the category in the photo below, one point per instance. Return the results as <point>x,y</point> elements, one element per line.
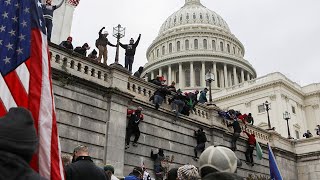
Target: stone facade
<point>91,104</point>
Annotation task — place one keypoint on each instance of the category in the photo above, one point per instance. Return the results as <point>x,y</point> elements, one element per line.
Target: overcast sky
<point>278,35</point>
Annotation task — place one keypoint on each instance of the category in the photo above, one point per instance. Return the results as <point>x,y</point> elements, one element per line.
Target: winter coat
<point>162,91</point>
<point>83,169</point>
<point>81,50</point>
<point>236,126</point>
<point>130,48</point>
<point>134,118</point>
<point>131,177</point>
<point>203,97</point>
<point>67,45</point>
<point>200,137</point>
<point>103,40</point>
<point>251,139</point>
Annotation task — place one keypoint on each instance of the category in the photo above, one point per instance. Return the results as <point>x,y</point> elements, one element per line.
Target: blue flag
<point>274,170</point>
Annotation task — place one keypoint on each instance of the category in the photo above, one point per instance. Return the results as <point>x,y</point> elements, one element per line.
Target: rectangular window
<point>293,109</point>
<point>261,108</point>
<point>297,134</point>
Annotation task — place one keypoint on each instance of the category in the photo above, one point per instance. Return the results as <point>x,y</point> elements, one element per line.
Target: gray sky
<point>278,35</point>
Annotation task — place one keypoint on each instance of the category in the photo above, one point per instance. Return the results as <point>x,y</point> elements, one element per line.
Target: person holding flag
<point>25,79</point>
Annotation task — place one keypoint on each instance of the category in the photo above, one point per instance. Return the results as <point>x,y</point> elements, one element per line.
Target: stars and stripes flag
<point>25,78</point>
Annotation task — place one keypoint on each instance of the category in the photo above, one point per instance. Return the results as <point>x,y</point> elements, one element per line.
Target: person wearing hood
<point>158,169</point>
<point>82,166</point>
<point>93,55</point>
<point>250,147</point>
<point>48,10</point>
<point>136,174</point>
<point>203,96</point>
<point>130,52</point>
<point>139,72</point>
<point>18,142</point>
<point>134,116</point>
<point>101,44</point>
<point>82,50</point>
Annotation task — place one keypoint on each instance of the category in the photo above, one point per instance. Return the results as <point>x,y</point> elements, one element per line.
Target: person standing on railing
<point>250,147</point>
<point>130,52</point>
<point>236,133</point>
<point>134,116</point>
<point>203,96</point>
<point>101,44</point>
<point>48,10</point>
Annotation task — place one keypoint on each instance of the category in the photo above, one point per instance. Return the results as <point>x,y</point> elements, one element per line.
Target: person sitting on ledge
<point>82,50</point>
<point>93,55</point>
<point>67,44</point>
<point>307,134</point>
<point>139,72</point>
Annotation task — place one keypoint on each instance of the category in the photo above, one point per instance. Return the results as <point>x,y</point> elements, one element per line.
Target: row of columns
<point>225,76</point>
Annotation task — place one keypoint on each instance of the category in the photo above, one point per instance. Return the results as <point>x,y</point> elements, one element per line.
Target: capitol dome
<point>193,41</point>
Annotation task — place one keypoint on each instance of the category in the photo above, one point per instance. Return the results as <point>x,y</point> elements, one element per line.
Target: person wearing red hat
<point>67,44</point>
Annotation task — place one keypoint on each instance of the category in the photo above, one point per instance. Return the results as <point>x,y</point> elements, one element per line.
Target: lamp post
<point>267,106</point>
<point>286,116</point>
<point>209,79</point>
<point>118,32</point>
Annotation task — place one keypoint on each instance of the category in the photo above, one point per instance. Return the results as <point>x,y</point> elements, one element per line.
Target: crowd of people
<point>308,134</point>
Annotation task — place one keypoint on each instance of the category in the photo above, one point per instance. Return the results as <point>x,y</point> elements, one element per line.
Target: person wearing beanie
<point>188,172</point>
<point>136,174</point>
<point>18,142</point>
<point>93,55</point>
<point>217,159</point>
<point>130,52</point>
<point>134,116</point>
<point>158,169</point>
<point>173,174</point>
<point>83,167</point>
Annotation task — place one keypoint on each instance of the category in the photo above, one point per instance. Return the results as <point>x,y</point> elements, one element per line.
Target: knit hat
<point>188,172</point>
<point>217,159</point>
<point>18,134</point>
<point>108,167</point>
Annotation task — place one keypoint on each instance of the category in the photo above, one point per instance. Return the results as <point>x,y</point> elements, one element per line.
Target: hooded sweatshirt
<point>18,142</point>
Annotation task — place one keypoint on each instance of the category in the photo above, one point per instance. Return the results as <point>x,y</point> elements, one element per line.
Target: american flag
<point>25,78</point>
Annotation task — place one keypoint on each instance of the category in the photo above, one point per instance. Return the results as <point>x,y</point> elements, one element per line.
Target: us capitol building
<point>195,40</point>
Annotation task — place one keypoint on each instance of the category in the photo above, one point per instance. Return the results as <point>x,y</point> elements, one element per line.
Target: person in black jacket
<point>67,44</point>
<point>130,52</point>
<point>160,95</point>
<point>178,102</point>
<point>18,142</point>
<point>48,10</point>
<point>236,134</point>
<point>135,117</point>
<point>101,44</point>
<point>83,167</point>
<point>83,49</point>
<point>201,142</point>
<point>158,169</point>
<point>139,72</point>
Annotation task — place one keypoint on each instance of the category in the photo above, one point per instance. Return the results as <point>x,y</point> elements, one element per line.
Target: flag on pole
<point>259,151</point>
<point>25,78</point>
<point>274,170</point>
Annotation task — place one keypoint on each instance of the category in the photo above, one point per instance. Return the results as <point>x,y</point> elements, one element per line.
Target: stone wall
<point>91,104</point>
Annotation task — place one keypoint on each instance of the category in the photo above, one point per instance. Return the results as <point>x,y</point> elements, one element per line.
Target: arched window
<point>187,44</point>
<point>177,76</point>
<point>196,44</point>
<point>197,75</point>
<point>205,44</point>
<point>178,46</point>
<point>214,45</point>
<point>228,48</point>
<point>201,16</point>
<point>234,50</point>
<point>213,19</point>
<point>194,15</point>
<point>187,77</point>
<point>187,16</point>
<point>163,50</point>
<point>175,20</point>
<point>170,48</point>
<point>221,46</point>
<point>181,19</point>
<point>157,52</point>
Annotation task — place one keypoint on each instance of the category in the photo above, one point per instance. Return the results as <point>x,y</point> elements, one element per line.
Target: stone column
<point>203,74</point>
<point>180,76</point>
<point>242,75</point>
<point>116,119</point>
<point>152,74</point>
<point>235,76</point>
<point>230,79</point>
<point>169,74</point>
<point>221,79</point>
<point>192,77</point>
<point>160,71</point>
<point>248,76</point>
<point>215,74</point>
<point>225,75</point>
